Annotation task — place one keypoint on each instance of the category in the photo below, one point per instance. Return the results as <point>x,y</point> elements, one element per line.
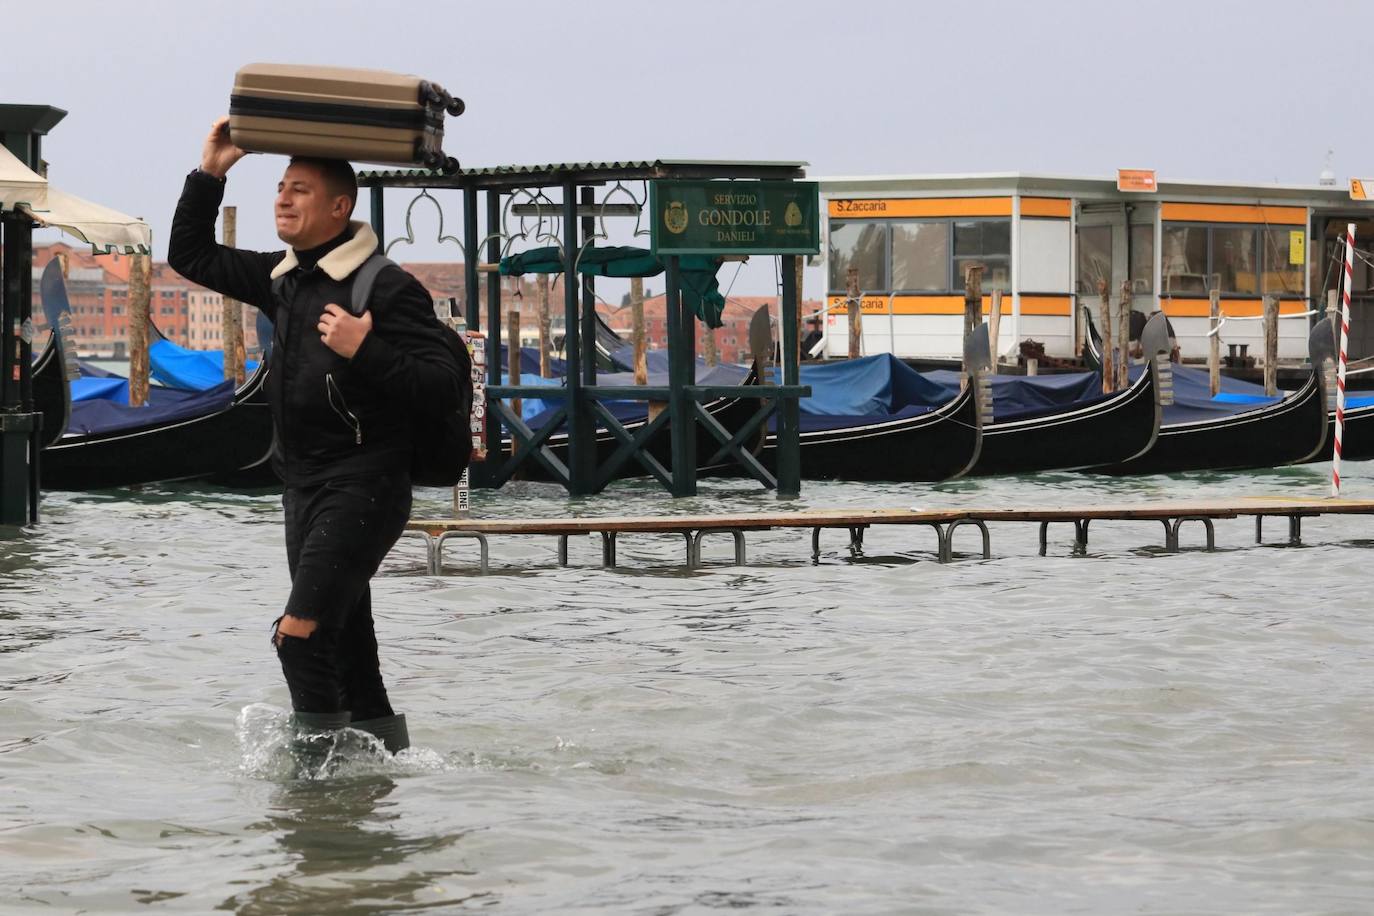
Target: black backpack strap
<point>363,279</point>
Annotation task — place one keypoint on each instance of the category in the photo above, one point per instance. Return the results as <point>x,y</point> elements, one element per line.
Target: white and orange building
<point>1048,241</point>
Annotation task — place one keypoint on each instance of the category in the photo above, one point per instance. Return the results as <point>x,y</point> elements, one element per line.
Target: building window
<point>1198,259</point>
<point>1094,259</point>
<point>986,242</point>
<point>1184,264</point>
<point>1281,275</point>
<point>920,256</point>
<point>861,245</point>
<point>1235,261</point>
<point>1142,241</point>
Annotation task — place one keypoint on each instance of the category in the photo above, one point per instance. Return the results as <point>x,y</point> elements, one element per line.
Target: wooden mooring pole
<point>231,320</point>
<point>855,301</point>
<point>1271,345</point>
<point>973,310</point>
<point>513,360</point>
<point>1214,343</point>
<point>541,299</point>
<point>139,296</point>
<point>710,353</point>
<point>641,342</point>
<point>1123,325</point>
<point>994,325</point>
<point>1108,350</point>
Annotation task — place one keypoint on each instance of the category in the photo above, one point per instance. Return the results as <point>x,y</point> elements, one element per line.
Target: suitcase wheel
<point>456,106</point>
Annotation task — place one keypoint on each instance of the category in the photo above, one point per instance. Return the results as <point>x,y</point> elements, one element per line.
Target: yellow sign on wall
<point>1297,247</point>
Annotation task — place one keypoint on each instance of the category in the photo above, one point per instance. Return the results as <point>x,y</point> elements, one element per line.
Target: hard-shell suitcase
<point>341,113</point>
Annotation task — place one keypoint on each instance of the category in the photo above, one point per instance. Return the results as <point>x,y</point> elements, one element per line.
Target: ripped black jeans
<point>337,534</point>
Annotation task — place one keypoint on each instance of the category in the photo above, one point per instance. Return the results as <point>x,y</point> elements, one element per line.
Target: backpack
<point>443,444</point>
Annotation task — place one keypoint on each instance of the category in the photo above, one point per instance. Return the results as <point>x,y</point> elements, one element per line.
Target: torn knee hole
<point>298,627</point>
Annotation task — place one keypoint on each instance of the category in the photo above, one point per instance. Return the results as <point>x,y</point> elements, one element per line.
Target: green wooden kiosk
<point>700,210</point>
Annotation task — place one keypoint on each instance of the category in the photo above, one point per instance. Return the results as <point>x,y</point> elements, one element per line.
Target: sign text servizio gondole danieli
<point>734,217</point>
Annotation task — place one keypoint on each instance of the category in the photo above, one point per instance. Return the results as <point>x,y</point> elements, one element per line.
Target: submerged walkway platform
<point>945,522</point>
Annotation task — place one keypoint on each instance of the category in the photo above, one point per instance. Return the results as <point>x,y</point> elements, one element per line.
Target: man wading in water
<point>343,392</point>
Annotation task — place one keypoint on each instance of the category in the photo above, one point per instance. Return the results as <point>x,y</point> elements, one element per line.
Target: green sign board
<point>734,217</point>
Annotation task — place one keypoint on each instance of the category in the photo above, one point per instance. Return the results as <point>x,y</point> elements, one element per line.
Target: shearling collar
<point>343,260</point>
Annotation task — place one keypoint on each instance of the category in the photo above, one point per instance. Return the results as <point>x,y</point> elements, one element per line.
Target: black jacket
<point>333,417</point>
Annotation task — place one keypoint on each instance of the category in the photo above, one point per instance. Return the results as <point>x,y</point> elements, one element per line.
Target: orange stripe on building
<point>896,208</point>
<point>1046,206</point>
<point>1231,308</point>
<point>951,305</point>
<point>1042,305</point>
<point>1233,213</point>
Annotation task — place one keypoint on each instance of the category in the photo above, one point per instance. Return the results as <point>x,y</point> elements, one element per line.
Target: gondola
<point>1103,430</point>
<point>909,442</point>
<point>180,435</point>
<point>1203,433</point>
<point>1357,439</point>
<point>51,395</point>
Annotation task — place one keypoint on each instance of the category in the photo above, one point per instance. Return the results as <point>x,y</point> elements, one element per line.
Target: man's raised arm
<point>192,250</point>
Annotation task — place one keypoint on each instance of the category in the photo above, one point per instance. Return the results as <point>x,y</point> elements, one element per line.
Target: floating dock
<point>945,522</point>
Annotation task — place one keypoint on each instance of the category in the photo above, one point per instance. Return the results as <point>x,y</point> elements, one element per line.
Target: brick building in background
<point>191,315</point>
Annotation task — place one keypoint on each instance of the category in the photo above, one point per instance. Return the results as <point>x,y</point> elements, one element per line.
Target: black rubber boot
<point>315,736</point>
<point>390,729</point>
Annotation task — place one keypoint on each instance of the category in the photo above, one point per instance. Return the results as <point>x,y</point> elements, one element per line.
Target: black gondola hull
<point>1286,432</point>
<point>935,446</point>
<point>1108,432</point>
<point>1357,440</point>
<point>219,443</point>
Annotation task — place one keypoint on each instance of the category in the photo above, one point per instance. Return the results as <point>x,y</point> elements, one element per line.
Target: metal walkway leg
<point>1080,535</point>
<point>431,566</point>
<point>947,545</point>
<point>694,551</point>
<point>481,539</point>
<point>1171,544</point>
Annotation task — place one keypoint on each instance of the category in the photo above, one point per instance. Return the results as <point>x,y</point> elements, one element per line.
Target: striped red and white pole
<point>1340,362</point>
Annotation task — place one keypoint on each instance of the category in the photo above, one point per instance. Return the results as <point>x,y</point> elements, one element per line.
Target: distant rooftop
<point>1084,185</point>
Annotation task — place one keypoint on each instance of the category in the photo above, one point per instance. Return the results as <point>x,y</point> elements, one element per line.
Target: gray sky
<point>1208,89</point>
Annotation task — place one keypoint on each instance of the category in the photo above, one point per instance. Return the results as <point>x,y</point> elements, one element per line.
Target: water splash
<point>271,748</point>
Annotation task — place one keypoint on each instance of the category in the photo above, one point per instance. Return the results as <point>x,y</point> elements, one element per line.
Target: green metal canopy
<point>551,173</point>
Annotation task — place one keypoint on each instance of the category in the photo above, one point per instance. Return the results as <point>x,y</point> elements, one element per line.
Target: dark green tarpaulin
<point>700,289</point>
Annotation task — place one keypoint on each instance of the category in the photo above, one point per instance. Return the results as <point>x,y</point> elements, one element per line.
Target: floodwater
<point>1126,731</point>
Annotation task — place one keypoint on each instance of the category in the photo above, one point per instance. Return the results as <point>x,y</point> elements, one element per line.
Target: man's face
<point>307,215</point>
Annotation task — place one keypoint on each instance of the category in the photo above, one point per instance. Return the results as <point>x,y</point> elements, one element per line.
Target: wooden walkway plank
<point>944,520</point>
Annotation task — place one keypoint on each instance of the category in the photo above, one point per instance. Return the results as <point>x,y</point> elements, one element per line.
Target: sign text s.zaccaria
<point>734,217</point>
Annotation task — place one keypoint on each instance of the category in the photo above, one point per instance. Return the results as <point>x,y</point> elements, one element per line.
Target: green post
<point>493,325</point>
<point>681,422</point>
<point>472,252</point>
<point>588,201</point>
<point>581,427</point>
<point>789,415</point>
<point>20,425</point>
<point>379,217</point>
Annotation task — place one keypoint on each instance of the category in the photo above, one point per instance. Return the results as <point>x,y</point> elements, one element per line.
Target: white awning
<point>103,229</point>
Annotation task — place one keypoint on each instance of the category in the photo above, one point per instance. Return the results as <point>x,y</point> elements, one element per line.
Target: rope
<point>1223,318</point>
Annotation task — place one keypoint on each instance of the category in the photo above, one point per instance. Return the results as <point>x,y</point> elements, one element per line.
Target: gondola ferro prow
<point>1154,344</point>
